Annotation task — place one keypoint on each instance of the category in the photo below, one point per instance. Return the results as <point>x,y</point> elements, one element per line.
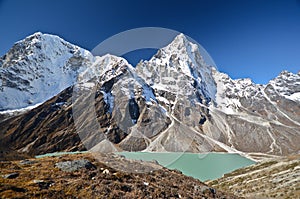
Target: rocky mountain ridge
<point>173,102</point>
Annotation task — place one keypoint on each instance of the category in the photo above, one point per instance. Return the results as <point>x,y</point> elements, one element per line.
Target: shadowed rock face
<point>134,110</point>
<point>173,102</point>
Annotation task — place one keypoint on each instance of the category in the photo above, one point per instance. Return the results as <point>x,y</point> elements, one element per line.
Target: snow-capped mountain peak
<point>182,51</point>
<point>180,69</point>
<point>37,68</point>
<point>42,46</point>
<point>287,84</point>
<point>106,67</point>
<point>182,45</point>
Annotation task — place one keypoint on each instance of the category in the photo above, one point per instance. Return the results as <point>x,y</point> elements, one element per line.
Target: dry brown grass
<point>93,183</point>
<point>277,178</point>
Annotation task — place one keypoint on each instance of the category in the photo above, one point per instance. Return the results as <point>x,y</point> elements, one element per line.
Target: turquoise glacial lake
<point>204,167</point>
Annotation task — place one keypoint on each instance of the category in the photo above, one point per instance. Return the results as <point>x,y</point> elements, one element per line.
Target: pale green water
<point>202,166</point>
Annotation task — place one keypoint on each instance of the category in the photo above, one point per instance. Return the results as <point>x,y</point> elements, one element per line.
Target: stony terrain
<point>89,176</point>
<point>274,178</point>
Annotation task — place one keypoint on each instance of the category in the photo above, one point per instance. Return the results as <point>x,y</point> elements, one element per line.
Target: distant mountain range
<point>55,96</point>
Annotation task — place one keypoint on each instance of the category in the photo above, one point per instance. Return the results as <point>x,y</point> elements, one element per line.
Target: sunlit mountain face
<point>55,96</point>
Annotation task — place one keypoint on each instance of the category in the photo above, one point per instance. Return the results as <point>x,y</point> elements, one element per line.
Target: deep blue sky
<point>255,39</point>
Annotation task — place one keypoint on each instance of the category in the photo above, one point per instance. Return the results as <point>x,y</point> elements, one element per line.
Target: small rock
<point>106,171</point>
<point>75,165</point>
<point>122,156</point>
<point>37,181</point>
<point>212,190</point>
<point>155,162</point>
<point>126,188</point>
<point>203,189</point>
<point>18,189</point>
<point>27,162</point>
<point>11,176</point>
<point>146,183</point>
<point>43,184</point>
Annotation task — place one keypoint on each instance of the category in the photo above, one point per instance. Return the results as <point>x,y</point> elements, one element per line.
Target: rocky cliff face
<point>173,102</point>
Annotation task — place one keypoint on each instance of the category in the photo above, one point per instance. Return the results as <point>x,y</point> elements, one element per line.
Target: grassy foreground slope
<point>272,178</point>
<point>100,176</point>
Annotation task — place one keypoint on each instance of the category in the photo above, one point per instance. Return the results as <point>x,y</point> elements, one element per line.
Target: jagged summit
<point>180,43</point>
<point>179,68</point>
<point>39,43</point>
<point>39,36</point>
<point>286,75</point>
<point>182,49</point>
<point>107,67</point>
<point>286,84</point>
